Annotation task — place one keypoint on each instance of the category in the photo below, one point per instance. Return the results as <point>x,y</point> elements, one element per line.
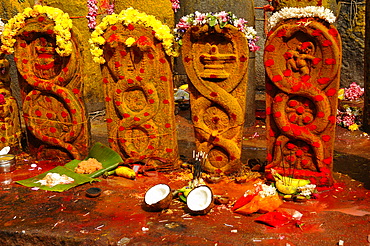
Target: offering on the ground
<point>264,198</point>
<point>52,179</point>
<point>88,166</point>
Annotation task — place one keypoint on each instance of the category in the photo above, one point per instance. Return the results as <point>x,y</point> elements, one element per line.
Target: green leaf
<point>106,156</point>
<point>213,21</point>
<point>78,180</point>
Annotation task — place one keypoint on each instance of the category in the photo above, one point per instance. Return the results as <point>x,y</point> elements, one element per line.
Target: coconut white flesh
<point>199,198</point>
<point>156,194</point>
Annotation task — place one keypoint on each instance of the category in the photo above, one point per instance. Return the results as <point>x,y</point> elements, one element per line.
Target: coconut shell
<point>203,196</point>
<point>157,198</point>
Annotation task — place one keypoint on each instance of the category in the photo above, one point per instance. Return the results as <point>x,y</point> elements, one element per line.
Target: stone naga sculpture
<point>10,127</point>
<point>51,88</point>
<point>138,89</point>
<point>216,62</point>
<point>302,60</point>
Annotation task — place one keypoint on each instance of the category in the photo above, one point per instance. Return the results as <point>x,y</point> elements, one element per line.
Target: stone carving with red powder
<point>302,60</point>
<point>137,82</point>
<point>51,88</point>
<point>10,127</point>
<point>216,62</point>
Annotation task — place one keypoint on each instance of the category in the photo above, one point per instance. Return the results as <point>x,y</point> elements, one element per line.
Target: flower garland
<point>63,25</point>
<point>350,116</point>
<point>309,11</point>
<point>1,26</point>
<point>175,5</point>
<point>128,17</point>
<point>212,19</point>
<point>93,11</point>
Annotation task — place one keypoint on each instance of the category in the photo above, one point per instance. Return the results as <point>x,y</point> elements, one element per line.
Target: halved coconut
<point>200,200</point>
<point>158,197</point>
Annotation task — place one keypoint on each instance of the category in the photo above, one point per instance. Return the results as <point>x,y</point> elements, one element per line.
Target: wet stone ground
<point>340,214</point>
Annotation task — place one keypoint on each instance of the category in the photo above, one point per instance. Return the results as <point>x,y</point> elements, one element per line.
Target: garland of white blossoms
<point>212,19</point>
<point>309,11</point>
<point>1,26</point>
<point>126,17</point>
<point>63,25</point>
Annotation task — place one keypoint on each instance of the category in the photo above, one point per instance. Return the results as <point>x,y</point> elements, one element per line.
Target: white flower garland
<point>1,27</point>
<point>309,11</point>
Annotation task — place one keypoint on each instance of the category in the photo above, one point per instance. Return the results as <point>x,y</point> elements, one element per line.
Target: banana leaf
<point>108,157</point>
<point>78,180</point>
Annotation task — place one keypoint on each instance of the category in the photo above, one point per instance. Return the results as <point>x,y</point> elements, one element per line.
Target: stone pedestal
<point>302,60</point>
<point>216,62</point>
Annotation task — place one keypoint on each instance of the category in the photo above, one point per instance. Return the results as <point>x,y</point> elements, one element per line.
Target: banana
<point>285,189</point>
<point>287,185</point>
<point>294,182</point>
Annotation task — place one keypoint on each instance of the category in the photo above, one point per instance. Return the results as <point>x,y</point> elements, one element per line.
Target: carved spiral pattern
<point>53,113</point>
<point>138,90</point>
<point>216,101</point>
<point>311,79</point>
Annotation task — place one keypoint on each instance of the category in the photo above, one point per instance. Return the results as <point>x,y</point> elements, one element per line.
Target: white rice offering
<point>52,179</point>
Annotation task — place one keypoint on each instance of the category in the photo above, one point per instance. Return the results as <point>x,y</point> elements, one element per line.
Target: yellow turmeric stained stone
<point>302,60</point>
<point>138,90</point>
<point>10,127</point>
<point>51,89</point>
<point>216,61</point>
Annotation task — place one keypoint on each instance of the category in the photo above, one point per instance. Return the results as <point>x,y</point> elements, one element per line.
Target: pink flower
<point>175,5</point>
<point>93,12</point>
<point>354,92</point>
<point>223,16</point>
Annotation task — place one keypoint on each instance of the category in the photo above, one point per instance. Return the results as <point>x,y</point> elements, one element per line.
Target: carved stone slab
<point>10,127</point>
<point>302,60</point>
<point>216,62</point>
<point>137,82</point>
<point>51,88</point>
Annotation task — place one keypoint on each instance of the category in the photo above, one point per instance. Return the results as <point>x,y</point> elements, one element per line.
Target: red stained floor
<point>116,217</point>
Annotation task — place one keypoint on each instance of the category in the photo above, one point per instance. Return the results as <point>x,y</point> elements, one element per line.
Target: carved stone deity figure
<point>137,82</point>
<point>51,88</point>
<point>302,60</point>
<point>216,62</point>
<point>10,127</point>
